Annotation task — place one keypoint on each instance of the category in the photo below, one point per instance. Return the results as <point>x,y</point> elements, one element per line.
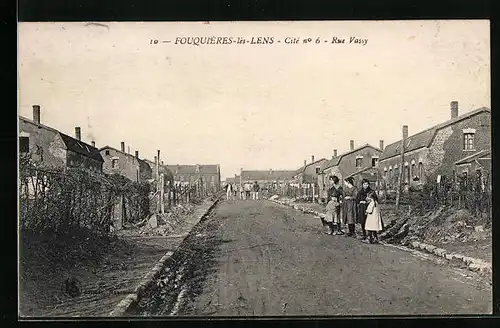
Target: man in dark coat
<point>362,204</point>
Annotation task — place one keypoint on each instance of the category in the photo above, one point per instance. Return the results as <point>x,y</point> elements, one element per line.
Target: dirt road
<point>257,258</point>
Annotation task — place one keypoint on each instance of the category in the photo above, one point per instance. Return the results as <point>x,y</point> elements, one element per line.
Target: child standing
<point>374,222</point>
<point>332,217</point>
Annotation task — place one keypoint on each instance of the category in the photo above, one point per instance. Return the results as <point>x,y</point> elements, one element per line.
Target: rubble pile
<point>164,224</point>
<point>441,226</point>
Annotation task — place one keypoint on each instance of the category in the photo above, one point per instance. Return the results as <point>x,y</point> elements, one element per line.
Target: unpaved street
<point>259,258</point>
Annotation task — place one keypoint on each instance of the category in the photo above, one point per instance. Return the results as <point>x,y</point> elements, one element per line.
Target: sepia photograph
<point>254,169</point>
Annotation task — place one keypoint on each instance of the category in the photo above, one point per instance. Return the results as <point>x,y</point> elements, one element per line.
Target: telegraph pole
<point>402,167</point>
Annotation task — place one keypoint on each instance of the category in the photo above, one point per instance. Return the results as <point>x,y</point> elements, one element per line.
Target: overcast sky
<point>250,106</point>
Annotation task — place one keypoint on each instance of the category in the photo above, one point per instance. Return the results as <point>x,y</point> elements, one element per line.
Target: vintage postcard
<point>280,168</point>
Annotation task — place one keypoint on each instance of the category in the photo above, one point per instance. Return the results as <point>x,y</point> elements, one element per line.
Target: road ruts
<point>269,260</point>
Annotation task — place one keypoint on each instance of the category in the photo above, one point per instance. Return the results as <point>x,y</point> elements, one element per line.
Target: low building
<point>433,154</point>
<point>265,178</point>
<point>127,165</point>
<point>47,147</point>
<point>206,175</point>
<point>478,164</point>
<point>308,173</point>
<point>356,162</point>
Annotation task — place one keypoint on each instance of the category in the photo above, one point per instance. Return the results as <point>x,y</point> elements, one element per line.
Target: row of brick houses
<point>50,148</point>
<point>460,146</point>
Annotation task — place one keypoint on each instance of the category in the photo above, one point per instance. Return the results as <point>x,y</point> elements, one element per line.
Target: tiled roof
<point>81,147</point>
<point>336,160</point>
<point>367,171</point>
<point>473,157</point>
<point>303,168</point>
<point>425,138</point>
<point>191,169</point>
<point>118,151</point>
<point>270,175</point>
<point>71,143</point>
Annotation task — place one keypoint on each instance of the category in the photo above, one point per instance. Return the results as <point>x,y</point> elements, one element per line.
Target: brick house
<point>208,175</point>
<point>50,148</point>
<point>308,173</point>
<point>436,151</point>
<point>479,164</point>
<point>130,166</point>
<point>361,162</point>
<point>265,178</point>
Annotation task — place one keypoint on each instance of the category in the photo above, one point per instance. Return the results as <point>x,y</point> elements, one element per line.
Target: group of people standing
<point>245,191</point>
<point>349,206</point>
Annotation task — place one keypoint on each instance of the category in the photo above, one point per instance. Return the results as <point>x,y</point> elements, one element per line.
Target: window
<point>107,152</point>
<point>420,170</point>
<point>114,163</point>
<point>318,168</point>
<point>374,161</point>
<point>212,178</point>
<point>468,141</point>
<point>413,173</point>
<point>181,177</point>
<point>359,161</point>
<point>24,144</point>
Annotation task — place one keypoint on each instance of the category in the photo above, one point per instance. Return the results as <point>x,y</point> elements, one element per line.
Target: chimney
<point>123,146</point>
<point>405,131</point>
<point>335,153</point>
<point>136,154</point>
<point>78,133</point>
<point>352,144</point>
<point>454,109</point>
<point>381,144</point>
<point>312,159</point>
<point>93,143</point>
<point>36,114</point>
<point>305,162</point>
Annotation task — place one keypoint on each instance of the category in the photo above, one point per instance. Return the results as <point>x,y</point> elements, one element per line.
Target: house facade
<point>47,147</point>
<point>265,178</point>
<point>207,175</point>
<point>308,173</point>
<point>433,154</point>
<point>358,162</point>
<point>130,166</point>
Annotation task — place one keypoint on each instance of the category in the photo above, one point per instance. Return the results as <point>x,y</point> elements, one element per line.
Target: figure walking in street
<point>229,191</point>
<point>349,208</point>
<point>374,222</point>
<point>247,190</point>
<point>256,189</point>
<point>362,204</point>
<point>242,192</point>
<point>332,221</point>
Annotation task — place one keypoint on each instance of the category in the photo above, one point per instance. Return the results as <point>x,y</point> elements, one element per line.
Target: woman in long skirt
<point>335,195</point>
<point>349,206</point>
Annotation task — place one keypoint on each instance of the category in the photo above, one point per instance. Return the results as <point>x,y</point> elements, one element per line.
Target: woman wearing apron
<point>349,206</point>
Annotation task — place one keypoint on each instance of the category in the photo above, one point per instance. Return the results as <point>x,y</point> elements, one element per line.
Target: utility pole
<point>159,187</point>
<point>401,166</point>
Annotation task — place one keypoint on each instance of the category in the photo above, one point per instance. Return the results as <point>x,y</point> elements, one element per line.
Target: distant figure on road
<point>256,189</point>
<point>374,222</point>
<point>349,208</point>
<point>248,188</point>
<point>229,191</point>
<point>242,192</point>
<point>362,204</point>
